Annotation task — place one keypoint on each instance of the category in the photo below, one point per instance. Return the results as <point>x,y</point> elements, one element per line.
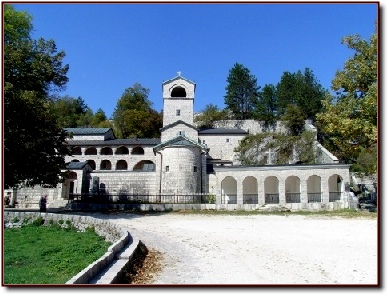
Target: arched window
<point>122,150</point>
<point>145,166</point>
<point>76,150</point>
<point>137,151</point>
<point>178,92</point>
<point>121,165</point>
<point>92,164</point>
<point>106,151</point>
<point>105,165</point>
<point>91,151</point>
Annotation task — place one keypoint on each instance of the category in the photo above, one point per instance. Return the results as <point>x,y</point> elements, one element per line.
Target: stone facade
<point>189,161</point>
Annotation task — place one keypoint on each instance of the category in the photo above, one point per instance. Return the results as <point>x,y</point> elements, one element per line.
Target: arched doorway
<point>229,190</point>
<point>314,189</point>
<point>250,190</point>
<point>71,184</point>
<point>292,189</point>
<point>335,185</point>
<point>272,195</point>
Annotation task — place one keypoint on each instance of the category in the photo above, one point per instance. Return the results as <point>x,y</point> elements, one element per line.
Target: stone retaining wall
<point>120,238</point>
<point>331,206</point>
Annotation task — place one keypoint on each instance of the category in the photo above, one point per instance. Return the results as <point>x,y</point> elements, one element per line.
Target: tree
<point>133,115</point>
<point>209,115</point>
<point>348,123</point>
<point>241,92</point>
<point>266,106</point>
<point>302,90</point>
<point>69,111</point>
<point>294,120</point>
<point>34,150</point>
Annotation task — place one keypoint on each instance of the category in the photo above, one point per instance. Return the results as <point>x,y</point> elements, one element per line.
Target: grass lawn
<point>37,254</point>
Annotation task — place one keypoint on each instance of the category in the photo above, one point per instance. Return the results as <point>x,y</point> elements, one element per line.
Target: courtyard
<point>204,249</point>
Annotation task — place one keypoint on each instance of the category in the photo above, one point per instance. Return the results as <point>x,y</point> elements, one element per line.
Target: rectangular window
<point>178,112</point>
<point>195,169</point>
<point>227,140</point>
<point>167,168</point>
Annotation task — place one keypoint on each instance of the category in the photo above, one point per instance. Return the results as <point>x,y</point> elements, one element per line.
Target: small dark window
<point>178,112</point>
<point>195,169</point>
<point>167,168</point>
<point>227,140</point>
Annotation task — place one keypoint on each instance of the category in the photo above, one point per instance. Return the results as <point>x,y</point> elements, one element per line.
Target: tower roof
<point>178,77</point>
<point>180,141</point>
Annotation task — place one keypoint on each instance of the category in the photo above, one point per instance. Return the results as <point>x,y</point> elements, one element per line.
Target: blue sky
<point>109,47</point>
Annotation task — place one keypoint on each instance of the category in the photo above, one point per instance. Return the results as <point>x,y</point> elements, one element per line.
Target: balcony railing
<point>250,198</point>
<point>334,196</point>
<point>315,197</point>
<point>141,198</point>
<point>292,197</point>
<point>229,199</point>
<point>272,198</point>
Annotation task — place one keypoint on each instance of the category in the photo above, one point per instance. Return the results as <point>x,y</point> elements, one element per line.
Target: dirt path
<point>260,250</point>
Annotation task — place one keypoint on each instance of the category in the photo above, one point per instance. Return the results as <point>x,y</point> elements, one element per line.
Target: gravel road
<point>258,249</point>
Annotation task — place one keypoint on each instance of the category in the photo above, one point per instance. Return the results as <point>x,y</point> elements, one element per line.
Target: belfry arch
<point>178,92</point>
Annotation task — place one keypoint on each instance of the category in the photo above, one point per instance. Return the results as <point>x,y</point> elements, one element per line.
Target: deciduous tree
<point>348,124</point>
<point>34,147</point>
<point>133,115</point>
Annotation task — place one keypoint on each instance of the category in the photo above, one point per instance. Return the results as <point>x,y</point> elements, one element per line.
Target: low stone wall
<point>120,238</point>
<point>219,207</point>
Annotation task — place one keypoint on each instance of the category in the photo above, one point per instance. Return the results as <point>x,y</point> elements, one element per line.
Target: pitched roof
<point>76,165</point>
<point>180,141</point>
<point>176,123</point>
<point>224,131</point>
<point>87,130</point>
<point>115,142</point>
<point>176,78</point>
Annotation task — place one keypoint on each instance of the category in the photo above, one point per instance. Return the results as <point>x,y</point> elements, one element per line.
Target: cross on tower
<point>269,155</point>
<point>179,73</point>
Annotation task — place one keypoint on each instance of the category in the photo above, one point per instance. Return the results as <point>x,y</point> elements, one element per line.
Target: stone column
<point>281,190</point>
<point>239,190</point>
<point>261,190</point>
<point>303,191</point>
<point>325,189</point>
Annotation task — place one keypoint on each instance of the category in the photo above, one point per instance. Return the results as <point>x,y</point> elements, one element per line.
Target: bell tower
<point>178,97</point>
